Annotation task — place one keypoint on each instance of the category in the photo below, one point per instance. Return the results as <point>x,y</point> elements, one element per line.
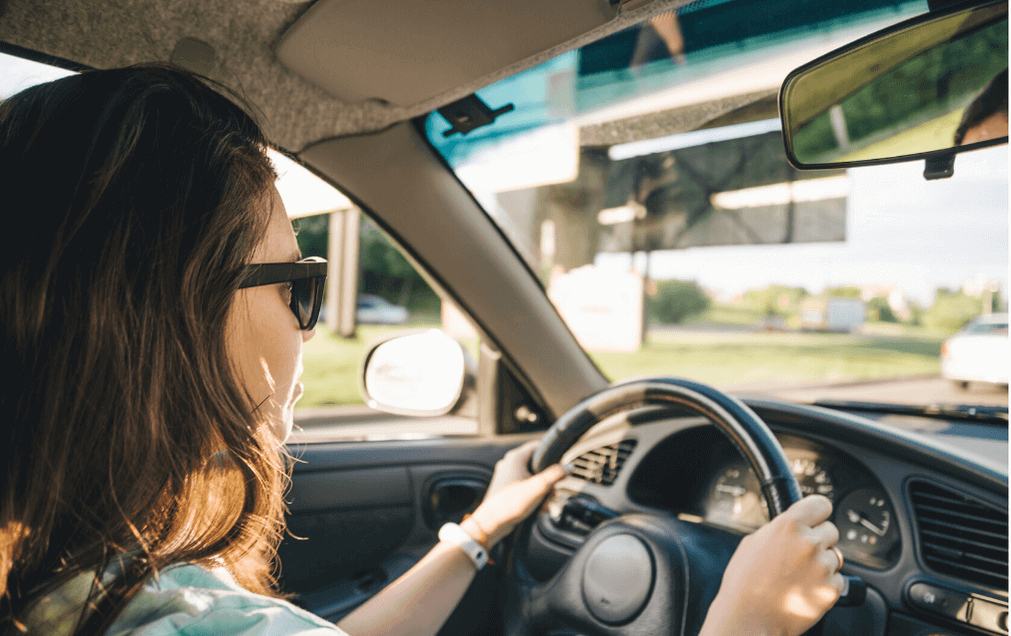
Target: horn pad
<point>618,579</point>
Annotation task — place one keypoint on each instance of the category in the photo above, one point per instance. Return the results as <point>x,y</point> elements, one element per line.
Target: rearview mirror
<point>925,88</point>
<point>417,372</point>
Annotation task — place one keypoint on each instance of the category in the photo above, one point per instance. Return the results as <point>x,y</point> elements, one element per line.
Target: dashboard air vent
<point>960,536</point>
<point>601,466</point>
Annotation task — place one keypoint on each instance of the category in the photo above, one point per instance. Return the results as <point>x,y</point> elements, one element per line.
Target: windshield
<point>643,180</point>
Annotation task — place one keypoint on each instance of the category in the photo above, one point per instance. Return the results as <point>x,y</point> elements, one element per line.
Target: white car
<point>978,353</point>
<point>376,310</point>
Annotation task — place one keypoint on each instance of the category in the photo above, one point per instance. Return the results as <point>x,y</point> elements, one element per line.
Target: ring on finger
<point>838,553</point>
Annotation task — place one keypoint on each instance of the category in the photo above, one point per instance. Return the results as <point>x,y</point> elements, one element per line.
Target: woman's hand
<point>782,578</point>
<point>512,495</point>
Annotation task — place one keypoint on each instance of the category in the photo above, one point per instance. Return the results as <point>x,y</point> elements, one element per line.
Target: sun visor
<point>407,52</point>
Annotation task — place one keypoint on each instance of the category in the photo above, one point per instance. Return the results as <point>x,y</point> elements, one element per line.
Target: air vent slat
<point>943,536</point>
<point>970,518</point>
<point>961,529</point>
<point>941,551</point>
<point>602,465</point>
<point>961,536</point>
<point>959,566</point>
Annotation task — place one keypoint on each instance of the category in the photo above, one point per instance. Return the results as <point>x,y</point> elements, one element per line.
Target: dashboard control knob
<point>940,601</point>
<point>854,593</point>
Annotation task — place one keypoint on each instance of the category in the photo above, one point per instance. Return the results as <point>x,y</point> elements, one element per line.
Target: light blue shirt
<point>185,600</point>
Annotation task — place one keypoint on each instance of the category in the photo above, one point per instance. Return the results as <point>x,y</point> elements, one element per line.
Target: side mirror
<point>926,88</point>
<point>418,373</point>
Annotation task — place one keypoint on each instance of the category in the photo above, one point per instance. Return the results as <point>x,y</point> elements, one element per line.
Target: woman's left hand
<point>512,495</point>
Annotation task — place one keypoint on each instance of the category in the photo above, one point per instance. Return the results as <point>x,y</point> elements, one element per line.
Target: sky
<point>901,230</point>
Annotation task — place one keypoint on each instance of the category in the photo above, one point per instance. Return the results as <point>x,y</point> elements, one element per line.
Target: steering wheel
<point>642,573</point>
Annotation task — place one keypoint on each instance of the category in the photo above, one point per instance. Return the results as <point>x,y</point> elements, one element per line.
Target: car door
<point>362,513</point>
<point>369,492</point>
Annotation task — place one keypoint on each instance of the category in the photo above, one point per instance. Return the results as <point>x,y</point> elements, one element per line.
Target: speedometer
<point>812,476</point>
<point>735,497</point>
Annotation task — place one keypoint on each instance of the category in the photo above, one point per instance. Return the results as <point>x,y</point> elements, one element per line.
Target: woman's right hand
<point>512,495</point>
<point>782,578</point>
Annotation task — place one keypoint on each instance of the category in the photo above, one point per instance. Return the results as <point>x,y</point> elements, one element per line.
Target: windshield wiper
<point>972,413</point>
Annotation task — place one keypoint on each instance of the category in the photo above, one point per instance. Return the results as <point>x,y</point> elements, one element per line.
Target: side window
<point>389,295</point>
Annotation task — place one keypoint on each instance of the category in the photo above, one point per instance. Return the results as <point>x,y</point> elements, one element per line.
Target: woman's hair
<point>991,100</point>
<point>133,198</point>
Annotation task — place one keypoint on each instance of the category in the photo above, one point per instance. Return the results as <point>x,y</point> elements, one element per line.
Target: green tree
<point>384,271</point>
<point>952,309</point>
<point>776,300</point>
<point>879,310</point>
<point>313,234</point>
<point>848,291</point>
<point>676,300</point>
<point>916,314</point>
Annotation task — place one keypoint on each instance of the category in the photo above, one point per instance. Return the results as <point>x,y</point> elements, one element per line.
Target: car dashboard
<point>925,526</point>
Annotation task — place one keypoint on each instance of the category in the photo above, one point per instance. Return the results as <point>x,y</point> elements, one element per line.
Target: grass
<point>935,134</point>
<point>751,360</point>
<point>333,364</point>
<point>735,360</point>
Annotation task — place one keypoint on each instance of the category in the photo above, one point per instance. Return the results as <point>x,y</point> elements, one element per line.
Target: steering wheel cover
<point>745,430</point>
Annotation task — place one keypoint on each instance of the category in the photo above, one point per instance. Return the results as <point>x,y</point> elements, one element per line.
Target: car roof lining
<point>244,35</point>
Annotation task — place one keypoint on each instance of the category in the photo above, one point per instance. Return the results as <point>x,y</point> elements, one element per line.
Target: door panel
<point>362,513</point>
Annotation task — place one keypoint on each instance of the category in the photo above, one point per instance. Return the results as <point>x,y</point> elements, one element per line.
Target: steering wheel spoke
<point>638,574</point>
<point>645,573</point>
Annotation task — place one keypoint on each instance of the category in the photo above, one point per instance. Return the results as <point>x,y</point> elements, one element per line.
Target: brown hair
<point>991,100</point>
<point>133,198</point>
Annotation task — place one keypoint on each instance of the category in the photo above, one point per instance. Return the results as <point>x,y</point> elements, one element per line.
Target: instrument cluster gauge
<point>867,531</point>
<point>735,499</point>
<point>812,476</point>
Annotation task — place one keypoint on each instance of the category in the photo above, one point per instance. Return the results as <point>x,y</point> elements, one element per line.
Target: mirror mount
<point>939,167</point>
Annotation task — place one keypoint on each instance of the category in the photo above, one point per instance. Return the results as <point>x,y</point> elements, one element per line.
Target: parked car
<point>978,353</point>
<point>376,310</point>
<point>414,109</point>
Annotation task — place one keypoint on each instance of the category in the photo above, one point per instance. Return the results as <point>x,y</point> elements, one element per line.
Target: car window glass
<point>644,180</point>
<point>391,295</point>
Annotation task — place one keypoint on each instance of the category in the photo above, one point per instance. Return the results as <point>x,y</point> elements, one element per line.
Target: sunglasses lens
<point>305,301</point>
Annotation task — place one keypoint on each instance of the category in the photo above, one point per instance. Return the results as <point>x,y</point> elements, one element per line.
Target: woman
<point>155,313</point>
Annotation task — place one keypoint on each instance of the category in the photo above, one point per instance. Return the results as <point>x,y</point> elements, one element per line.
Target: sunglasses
<point>306,276</point>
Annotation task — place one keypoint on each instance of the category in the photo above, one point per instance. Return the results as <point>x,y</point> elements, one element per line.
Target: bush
<point>878,309</point>
<point>676,300</point>
<point>776,300</point>
<point>848,291</point>
<point>951,310</point>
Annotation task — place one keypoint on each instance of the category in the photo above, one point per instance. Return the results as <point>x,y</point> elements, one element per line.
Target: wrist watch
<point>454,534</point>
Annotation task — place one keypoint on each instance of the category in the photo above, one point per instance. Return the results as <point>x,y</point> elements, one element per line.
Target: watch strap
<point>453,533</point>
